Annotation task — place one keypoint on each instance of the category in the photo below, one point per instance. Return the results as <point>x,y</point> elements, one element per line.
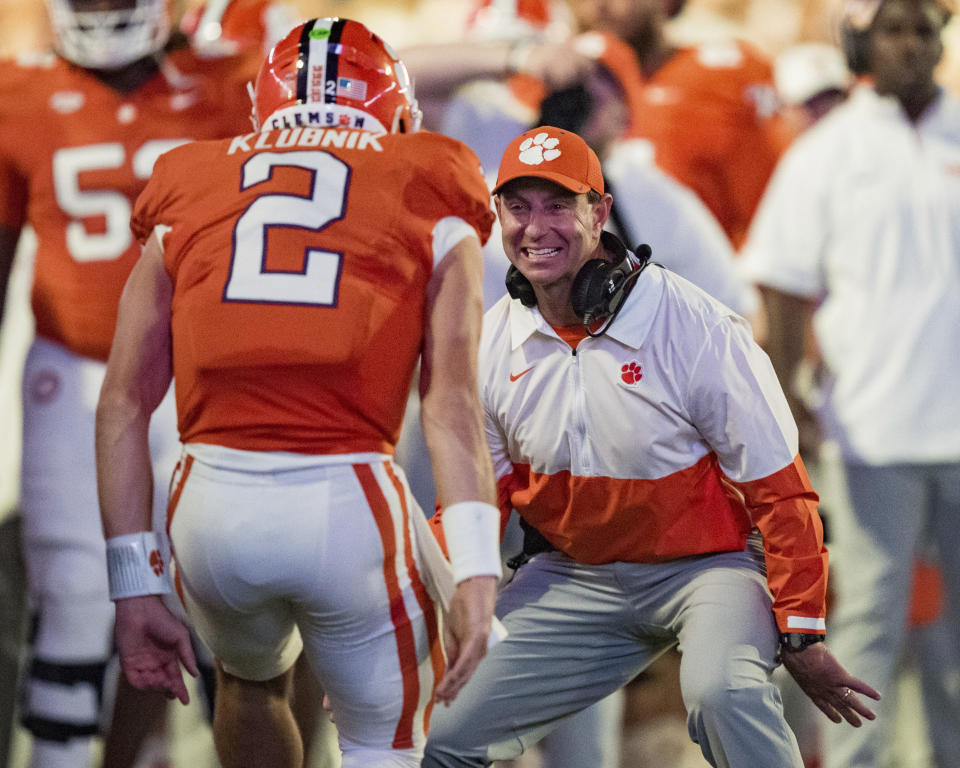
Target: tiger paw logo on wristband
<point>156,562</point>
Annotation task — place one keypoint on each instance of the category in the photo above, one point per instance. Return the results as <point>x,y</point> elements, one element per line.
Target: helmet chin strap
<point>395,125</point>
<point>252,93</point>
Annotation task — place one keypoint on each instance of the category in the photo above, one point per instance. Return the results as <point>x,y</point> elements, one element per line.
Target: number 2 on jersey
<point>317,282</point>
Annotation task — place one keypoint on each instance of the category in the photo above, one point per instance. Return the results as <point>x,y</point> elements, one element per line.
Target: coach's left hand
<point>829,685</point>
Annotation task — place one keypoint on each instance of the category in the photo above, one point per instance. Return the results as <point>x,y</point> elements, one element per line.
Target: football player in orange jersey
<point>290,279</point>
<point>79,132</point>
<point>709,110</point>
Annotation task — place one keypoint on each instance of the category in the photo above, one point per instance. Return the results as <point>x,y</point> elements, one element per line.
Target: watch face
<point>797,641</point>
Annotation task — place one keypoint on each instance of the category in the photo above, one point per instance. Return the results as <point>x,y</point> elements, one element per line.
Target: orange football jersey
<point>712,114</point>
<point>74,155</point>
<point>300,260</point>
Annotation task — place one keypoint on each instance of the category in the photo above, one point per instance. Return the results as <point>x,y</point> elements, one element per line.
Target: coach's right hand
<point>466,631</point>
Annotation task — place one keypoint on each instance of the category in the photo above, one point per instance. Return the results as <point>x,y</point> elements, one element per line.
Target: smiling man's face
<point>549,232</point>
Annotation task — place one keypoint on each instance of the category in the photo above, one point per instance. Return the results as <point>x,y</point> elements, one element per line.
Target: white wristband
<point>472,531</point>
<point>135,566</point>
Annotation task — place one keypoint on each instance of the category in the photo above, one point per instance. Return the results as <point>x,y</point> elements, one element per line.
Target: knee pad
<point>63,701</point>
<point>72,629</point>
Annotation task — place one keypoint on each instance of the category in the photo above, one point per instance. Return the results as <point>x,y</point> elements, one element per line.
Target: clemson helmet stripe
<point>333,59</point>
<point>303,74</point>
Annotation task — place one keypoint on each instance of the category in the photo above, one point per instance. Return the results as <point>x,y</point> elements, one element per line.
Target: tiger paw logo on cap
<point>537,154</point>
<point>539,149</point>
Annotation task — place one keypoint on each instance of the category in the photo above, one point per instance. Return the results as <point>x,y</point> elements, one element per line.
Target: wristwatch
<point>797,641</point>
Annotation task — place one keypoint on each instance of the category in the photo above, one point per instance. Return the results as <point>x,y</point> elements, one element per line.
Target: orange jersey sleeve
<point>80,153</point>
<point>300,260</point>
<point>784,507</point>
<point>713,118</point>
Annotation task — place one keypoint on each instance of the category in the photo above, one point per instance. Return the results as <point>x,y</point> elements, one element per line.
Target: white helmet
<point>111,34</point>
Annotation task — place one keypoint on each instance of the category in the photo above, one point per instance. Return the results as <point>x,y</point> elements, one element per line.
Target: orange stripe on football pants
<point>403,630</point>
<point>180,474</point>
<point>437,661</point>
<point>179,478</point>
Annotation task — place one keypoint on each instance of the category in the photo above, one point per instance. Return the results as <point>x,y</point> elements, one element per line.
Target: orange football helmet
<point>334,72</point>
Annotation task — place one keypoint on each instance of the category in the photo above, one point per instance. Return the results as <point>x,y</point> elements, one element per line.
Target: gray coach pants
<point>579,632</point>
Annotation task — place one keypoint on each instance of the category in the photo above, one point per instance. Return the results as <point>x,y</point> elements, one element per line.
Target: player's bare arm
<point>151,642</point>
<point>139,372</point>
<point>788,320</point>
<point>439,69</point>
<point>453,427</point>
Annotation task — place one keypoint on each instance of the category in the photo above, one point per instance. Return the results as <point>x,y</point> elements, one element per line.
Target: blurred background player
<point>709,110</point>
<point>859,223</point>
<point>649,206</point>
<point>348,245</point>
<point>79,133</point>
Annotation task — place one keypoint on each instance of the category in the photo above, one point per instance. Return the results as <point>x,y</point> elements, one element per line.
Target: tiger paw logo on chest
<point>156,562</point>
<point>539,149</point>
<point>631,373</point>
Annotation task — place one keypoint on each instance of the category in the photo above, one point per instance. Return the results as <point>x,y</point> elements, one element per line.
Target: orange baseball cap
<point>554,154</point>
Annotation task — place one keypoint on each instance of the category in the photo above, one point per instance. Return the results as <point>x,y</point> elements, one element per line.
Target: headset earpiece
<point>596,286</point>
<point>519,287</point>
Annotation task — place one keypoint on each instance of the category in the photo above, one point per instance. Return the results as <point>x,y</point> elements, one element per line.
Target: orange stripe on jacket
<point>693,511</point>
<point>424,600</point>
<point>403,631</point>
<point>606,519</point>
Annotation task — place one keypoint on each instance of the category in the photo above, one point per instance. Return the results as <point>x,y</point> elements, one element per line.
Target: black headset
<point>600,286</point>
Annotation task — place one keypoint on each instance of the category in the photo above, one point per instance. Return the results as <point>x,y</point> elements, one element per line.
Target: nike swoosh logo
<point>514,377</point>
